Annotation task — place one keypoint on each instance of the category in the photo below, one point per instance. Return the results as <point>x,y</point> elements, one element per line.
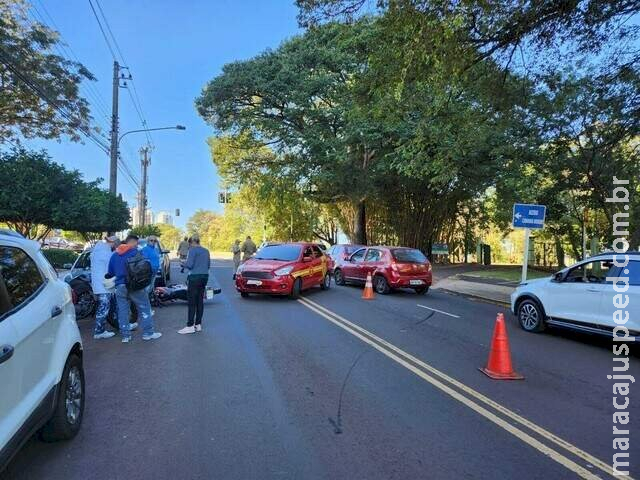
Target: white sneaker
<point>198,328</point>
<point>187,330</point>
<point>133,326</point>
<point>104,334</point>
<point>126,339</point>
<point>153,336</point>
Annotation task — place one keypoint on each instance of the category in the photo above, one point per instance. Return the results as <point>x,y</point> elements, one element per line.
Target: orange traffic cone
<point>368,289</point>
<point>499,365</point>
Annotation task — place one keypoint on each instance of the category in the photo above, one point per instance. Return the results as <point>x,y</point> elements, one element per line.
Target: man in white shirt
<point>100,256</point>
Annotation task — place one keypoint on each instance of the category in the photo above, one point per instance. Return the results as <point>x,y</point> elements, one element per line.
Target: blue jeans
<point>102,312</point>
<point>140,299</point>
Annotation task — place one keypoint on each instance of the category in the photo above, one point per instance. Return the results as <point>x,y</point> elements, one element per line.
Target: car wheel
<point>380,285</point>
<point>86,304</point>
<point>531,316</point>
<point>67,416</point>
<point>244,294</point>
<point>338,277</point>
<point>326,282</point>
<point>296,289</point>
<point>422,290</point>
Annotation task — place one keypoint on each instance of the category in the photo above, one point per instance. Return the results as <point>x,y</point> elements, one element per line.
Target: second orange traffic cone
<point>499,365</point>
<point>368,289</point>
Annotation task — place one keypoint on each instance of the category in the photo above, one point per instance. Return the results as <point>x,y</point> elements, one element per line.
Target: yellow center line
<point>401,357</point>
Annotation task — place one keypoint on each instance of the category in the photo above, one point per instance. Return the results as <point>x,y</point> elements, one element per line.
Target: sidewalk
<point>482,290</point>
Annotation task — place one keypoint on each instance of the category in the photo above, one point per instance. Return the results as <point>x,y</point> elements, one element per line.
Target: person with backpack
<point>150,252</point>
<point>133,273</point>
<point>198,263</point>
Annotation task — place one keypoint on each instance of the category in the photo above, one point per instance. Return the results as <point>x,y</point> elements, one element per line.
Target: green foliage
<point>45,195</point>
<point>58,257</point>
<point>27,51</point>
<point>169,235</point>
<point>144,231</point>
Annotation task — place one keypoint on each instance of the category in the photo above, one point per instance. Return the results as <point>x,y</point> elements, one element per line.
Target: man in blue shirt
<point>150,252</point>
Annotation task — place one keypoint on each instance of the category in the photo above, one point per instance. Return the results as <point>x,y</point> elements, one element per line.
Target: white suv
<point>580,297</point>
<point>41,370</point>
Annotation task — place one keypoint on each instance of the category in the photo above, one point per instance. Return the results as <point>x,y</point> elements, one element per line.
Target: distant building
<point>164,217</point>
<point>135,217</point>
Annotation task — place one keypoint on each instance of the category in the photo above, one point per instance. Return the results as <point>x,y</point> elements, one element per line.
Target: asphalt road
<point>335,387</point>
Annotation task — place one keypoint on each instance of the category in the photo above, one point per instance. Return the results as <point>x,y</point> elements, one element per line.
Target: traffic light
<point>224,197</point>
<point>177,212</point>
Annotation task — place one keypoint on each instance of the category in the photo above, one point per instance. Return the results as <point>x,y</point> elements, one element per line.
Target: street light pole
<point>142,209</point>
<point>115,140</point>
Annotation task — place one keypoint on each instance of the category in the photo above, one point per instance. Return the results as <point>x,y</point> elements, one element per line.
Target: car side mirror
<point>558,277</point>
<point>306,259</point>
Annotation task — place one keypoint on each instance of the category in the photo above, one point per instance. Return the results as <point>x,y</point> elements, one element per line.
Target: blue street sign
<point>528,216</point>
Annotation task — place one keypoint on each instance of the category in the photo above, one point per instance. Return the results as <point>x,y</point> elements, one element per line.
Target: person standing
<point>99,258</point>
<point>150,252</point>
<point>121,266</point>
<point>235,249</point>
<point>198,263</point>
<point>248,248</point>
<point>183,251</point>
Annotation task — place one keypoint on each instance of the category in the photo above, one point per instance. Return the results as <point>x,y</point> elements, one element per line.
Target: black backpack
<point>139,274</point>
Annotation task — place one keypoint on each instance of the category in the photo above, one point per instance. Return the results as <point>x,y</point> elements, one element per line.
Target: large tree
<point>39,89</point>
<point>44,195</point>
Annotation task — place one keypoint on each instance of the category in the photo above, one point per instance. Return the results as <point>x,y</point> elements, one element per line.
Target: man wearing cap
<point>198,263</point>
<point>99,258</point>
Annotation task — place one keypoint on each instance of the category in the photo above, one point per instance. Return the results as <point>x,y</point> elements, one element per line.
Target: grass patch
<point>508,274</point>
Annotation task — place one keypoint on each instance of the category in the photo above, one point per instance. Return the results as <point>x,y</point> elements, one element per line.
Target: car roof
<point>9,237</point>
<point>633,253</point>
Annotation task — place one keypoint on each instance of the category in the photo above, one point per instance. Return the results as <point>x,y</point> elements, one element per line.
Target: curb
<point>476,297</point>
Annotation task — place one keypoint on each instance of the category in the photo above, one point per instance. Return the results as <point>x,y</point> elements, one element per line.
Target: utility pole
<point>113,166</point>
<point>145,161</point>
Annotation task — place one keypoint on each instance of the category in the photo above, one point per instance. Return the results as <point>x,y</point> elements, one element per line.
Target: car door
<point>578,297</point>
<point>319,265</point>
<point>372,260</point>
<point>9,369</point>
<point>35,302</point>
<point>351,267</point>
<point>630,297</point>
<point>308,275</point>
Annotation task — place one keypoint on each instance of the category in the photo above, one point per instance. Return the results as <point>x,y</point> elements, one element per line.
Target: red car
<point>284,269</point>
<point>340,253</point>
<point>390,267</point>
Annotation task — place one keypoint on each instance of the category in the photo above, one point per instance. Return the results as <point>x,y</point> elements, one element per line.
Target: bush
<point>58,257</point>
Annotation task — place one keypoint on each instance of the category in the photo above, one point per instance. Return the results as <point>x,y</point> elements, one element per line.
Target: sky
<point>172,48</point>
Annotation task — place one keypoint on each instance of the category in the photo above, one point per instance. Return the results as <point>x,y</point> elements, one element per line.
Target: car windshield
<point>285,253</point>
<point>408,255</point>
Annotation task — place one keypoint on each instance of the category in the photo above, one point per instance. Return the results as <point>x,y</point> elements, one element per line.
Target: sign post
<point>528,217</point>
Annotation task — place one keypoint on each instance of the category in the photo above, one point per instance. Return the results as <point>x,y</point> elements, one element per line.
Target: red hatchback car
<point>390,267</point>
<point>284,269</point>
<point>340,254</point>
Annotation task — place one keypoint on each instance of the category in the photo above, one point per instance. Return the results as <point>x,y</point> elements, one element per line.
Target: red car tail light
<point>74,296</point>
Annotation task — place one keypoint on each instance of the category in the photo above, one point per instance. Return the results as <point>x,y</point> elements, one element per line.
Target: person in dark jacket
<point>198,263</point>
<point>150,251</point>
<point>124,296</point>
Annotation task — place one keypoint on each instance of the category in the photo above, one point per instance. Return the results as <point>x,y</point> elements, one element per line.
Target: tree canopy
<point>40,94</point>
<point>51,196</point>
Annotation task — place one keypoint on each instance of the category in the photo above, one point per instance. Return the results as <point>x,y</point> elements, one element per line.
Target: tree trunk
<point>560,253</point>
<point>360,224</point>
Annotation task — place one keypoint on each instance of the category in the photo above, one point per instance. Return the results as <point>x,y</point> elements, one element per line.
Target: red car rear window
<point>408,255</point>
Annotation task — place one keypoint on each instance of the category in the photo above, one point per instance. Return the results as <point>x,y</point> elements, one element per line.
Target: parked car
<point>579,297</point>
<point>284,269</point>
<point>340,253</point>
<point>41,369</point>
<point>390,268</point>
<point>63,243</point>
